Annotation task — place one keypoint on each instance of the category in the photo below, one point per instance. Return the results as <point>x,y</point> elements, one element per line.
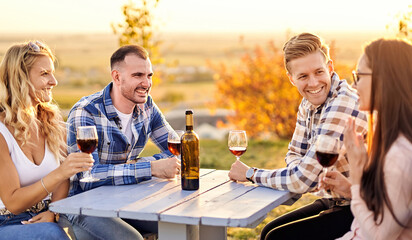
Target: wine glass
<point>237,142</point>
<point>174,143</point>
<point>87,142</point>
<point>327,151</point>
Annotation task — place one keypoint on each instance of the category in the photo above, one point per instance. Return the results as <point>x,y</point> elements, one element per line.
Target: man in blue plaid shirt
<point>125,116</point>
<point>326,105</point>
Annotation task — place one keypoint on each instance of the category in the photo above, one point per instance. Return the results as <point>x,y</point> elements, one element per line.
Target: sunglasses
<point>36,46</point>
<point>355,76</point>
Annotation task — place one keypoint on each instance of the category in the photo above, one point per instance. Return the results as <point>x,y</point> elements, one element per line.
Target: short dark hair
<point>122,52</point>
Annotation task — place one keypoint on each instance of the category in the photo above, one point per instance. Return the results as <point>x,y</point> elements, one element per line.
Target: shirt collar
<point>108,104</point>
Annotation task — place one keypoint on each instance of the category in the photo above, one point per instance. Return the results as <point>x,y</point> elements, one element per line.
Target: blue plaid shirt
<point>114,149</point>
<point>302,170</point>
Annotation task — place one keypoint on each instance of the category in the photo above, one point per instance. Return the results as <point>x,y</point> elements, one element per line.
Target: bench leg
<point>212,232</point>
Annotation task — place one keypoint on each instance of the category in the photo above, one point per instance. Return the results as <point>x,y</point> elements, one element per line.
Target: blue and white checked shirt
<point>114,148</point>
<point>302,170</point>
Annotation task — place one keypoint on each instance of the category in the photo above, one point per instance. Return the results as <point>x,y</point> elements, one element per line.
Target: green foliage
<point>173,97</point>
<point>258,90</point>
<point>137,28</point>
<point>215,154</point>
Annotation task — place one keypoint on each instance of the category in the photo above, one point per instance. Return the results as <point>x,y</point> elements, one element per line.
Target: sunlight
<point>95,16</point>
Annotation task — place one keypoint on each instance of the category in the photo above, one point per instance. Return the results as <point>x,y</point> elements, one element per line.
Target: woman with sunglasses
<point>380,178</point>
<point>34,168</point>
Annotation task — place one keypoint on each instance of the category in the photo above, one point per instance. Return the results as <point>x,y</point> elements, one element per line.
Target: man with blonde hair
<point>326,105</point>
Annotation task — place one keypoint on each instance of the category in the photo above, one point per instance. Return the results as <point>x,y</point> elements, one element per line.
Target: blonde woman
<point>34,168</point>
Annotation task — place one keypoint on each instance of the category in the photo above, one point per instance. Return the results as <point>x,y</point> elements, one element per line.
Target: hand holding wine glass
<point>327,151</point>
<point>237,142</point>
<point>87,142</point>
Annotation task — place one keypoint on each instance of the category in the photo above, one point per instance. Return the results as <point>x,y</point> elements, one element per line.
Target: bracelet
<point>42,183</point>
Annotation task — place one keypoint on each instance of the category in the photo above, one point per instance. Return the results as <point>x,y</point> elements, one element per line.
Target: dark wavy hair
<point>391,64</point>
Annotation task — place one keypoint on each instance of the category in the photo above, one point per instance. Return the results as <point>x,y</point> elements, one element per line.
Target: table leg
<point>212,232</point>
<point>174,231</point>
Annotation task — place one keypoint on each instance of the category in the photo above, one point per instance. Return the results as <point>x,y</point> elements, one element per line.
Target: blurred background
<point>222,58</point>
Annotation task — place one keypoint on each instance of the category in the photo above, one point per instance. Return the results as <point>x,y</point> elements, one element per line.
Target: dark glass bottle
<point>190,155</point>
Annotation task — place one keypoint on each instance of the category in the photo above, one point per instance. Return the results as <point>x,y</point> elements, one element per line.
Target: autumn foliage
<point>259,92</point>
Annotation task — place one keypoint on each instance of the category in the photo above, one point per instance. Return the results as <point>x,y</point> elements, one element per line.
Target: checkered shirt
<point>114,148</point>
<point>302,170</point>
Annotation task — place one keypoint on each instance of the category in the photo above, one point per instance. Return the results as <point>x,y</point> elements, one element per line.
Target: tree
<point>403,23</point>
<point>405,19</point>
<point>138,28</point>
<point>260,93</point>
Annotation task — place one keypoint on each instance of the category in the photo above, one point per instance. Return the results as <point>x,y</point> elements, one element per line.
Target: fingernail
<point>22,222</point>
<point>30,220</point>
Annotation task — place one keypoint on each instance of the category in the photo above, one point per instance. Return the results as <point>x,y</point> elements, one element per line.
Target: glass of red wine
<point>173,142</point>
<point>327,151</point>
<point>87,142</point>
<point>237,142</point>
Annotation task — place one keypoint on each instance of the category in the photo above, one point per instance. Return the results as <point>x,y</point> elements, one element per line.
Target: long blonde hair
<point>16,103</point>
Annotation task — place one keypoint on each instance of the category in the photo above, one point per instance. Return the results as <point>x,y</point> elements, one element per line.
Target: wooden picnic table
<point>203,214</point>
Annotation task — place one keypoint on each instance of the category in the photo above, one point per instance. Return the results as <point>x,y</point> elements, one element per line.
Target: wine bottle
<point>190,155</point>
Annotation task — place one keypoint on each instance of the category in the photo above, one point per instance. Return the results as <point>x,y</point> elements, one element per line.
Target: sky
<point>95,16</point>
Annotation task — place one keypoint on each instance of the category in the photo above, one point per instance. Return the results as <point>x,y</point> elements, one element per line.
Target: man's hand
<point>165,168</point>
<point>238,171</point>
<point>336,182</point>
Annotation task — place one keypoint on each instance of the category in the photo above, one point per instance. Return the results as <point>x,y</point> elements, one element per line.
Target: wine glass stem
<point>325,170</point>
<point>238,158</point>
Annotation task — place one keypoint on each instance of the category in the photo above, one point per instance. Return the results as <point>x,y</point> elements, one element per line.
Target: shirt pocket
<point>113,149</point>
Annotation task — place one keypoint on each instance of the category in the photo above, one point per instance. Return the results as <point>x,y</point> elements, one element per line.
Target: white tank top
<point>28,172</point>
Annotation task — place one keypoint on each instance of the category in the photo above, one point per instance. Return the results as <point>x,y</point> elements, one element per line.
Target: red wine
<point>237,151</point>
<point>87,145</point>
<point>326,159</point>
<point>174,147</point>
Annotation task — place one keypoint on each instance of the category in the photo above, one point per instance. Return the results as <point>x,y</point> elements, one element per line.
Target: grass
<point>261,154</point>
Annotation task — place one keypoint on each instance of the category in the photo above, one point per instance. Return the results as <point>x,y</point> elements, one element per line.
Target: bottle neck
<point>189,122</point>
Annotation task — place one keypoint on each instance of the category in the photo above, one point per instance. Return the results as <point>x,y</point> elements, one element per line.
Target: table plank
<point>232,204</point>
<point>94,202</point>
<point>248,210</point>
<point>72,205</point>
<point>191,211</point>
<point>150,207</point>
